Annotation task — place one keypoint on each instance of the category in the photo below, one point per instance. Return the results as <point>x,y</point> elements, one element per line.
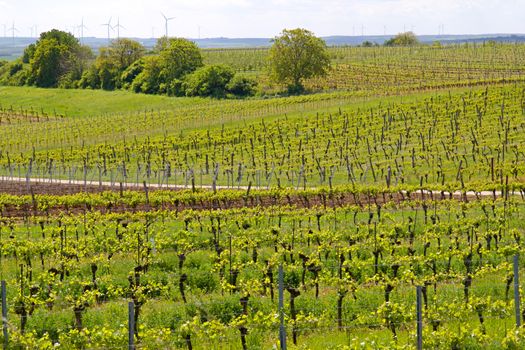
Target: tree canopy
<point>56,58</point>
<point>178,58</point>
<point>296,55</point>
<point>175,67</point>
<point>403,39</point>
<point>163,73</point>
<point>112,61</point>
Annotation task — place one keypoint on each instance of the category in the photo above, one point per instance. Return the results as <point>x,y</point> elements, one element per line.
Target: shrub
<point>225,308</point>
<point>242,86</point>
<point>14,73</point>
<point>202,280</point>
<point>208,81</point>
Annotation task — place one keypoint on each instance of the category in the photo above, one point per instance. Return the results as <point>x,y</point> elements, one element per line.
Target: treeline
<point>401,39</point>
<point>174,67</point>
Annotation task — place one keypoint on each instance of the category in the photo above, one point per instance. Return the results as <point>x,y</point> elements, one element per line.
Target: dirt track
<point>36,186</point>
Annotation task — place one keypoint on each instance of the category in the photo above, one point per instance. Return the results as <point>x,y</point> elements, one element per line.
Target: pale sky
<point>265,18</point>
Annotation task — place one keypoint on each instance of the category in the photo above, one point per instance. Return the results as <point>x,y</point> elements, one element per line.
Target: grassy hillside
<point>87,102</point>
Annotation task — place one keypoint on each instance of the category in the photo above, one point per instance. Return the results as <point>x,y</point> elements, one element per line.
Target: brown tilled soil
<point>21,188</point>
<point>297,200</point>
<point>19,118</point>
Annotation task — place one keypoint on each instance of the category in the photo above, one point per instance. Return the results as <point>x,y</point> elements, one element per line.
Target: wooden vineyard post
<point>85,176</point>
<point>282,329</point>
<point>419,319</point>
<point>517,291</point>
<point>131,326</point>
<point>4,315</point>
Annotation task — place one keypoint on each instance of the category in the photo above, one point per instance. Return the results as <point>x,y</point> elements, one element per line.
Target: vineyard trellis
<point>228,224</point>
<point>471,137</point>
<point>375,254</point>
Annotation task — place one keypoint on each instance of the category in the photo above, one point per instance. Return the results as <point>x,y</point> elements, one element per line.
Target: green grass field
<point>88,103</point>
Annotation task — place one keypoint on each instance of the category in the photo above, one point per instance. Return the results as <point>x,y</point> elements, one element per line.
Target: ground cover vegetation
<point>405,169</point>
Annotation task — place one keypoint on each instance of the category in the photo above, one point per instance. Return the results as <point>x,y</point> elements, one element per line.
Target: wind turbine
<point>5,30</point>
<point>13,30</point>
<point>109,28</point>
<point>167,19</point>
<point>82,27</point>
<point>118,26</point>
<point>35,33</point>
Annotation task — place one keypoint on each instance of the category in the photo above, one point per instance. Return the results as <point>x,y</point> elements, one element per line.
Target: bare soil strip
<point>299,200</point>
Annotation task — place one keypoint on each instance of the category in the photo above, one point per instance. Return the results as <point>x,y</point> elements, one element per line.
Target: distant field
<point>395,70</point>
<point>8,58</point>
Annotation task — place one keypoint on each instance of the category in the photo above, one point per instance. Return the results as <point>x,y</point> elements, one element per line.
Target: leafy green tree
<point>62,37</point>
<point>111,63</point>
<point>164,73</point>
<point>178,58</point>
<point>80,62</point>
<point>49,62</point>
<point>103,73</point>
<point>297,55</point>
<point>403,39</point>
<point>57,57</point>
<point>15,67</point>
<point>107,73</point>
<point>124,52</point>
